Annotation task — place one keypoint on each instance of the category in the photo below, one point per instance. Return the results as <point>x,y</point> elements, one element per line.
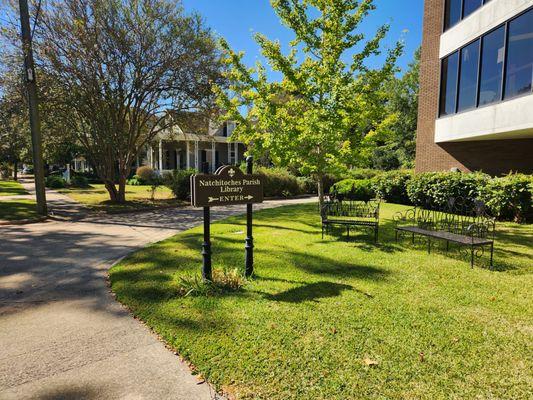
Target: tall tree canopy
<point>328,100</point>
<point>396,149</point>
<point>117,66</point>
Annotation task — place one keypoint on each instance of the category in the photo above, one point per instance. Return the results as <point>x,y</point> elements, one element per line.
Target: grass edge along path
<point>11,188</point>
<point>335,319</point>
<point>138,198</point>
<point>17,210</point>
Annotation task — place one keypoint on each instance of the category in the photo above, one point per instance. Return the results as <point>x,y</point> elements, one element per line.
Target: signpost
<point>227,186</point>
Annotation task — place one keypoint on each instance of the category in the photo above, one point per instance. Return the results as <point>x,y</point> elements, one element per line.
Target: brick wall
<point>492,156</point>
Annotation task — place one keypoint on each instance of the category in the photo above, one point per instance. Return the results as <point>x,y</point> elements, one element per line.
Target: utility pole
<point>35,123</point>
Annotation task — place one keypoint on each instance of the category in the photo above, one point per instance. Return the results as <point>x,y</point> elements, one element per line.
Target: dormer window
<point>225,129</point>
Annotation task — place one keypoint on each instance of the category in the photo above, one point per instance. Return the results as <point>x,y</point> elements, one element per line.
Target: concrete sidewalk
<point>63,335</point>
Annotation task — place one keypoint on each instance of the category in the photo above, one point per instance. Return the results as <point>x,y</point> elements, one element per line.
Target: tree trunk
<point>320,186</point>
<point>121,195</point>
<point>112,189</point>
<point>15,170</point>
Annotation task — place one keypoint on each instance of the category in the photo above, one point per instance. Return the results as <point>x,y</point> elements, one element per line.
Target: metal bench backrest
<point>464,217</point>
<point>351,209</point>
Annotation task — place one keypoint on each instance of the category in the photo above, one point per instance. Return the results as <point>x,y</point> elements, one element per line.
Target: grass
<point>137,198</point>
<point>13,210</point>
<point>337,319</point>
<point>11,188</point>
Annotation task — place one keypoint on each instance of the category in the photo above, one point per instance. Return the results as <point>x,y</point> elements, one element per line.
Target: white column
<point>151,156</point>
<point>137,163</point>
<point>229,152</point>
<point>160,155</point>
<point>213,157</point>
<point>236,147</point>
<point>196,157</point>
<point>188,156</point>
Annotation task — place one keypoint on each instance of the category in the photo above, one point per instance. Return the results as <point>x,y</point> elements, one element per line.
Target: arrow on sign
<point>249,197</point>
<point>211,199</point>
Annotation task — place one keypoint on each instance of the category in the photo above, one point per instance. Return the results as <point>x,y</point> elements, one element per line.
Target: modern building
<point>190,143</point>
<point>476,91</point>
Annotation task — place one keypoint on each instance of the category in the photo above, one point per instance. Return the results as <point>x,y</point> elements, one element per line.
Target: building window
<point>449,84</point>
<point>225,129</point>
<point>506,56</point>
<point>456,10</point>
<point>452,13</point>
<point>492,57</point>
<point>468,77</point>
<point>469,6</point>
<point>519,72</point>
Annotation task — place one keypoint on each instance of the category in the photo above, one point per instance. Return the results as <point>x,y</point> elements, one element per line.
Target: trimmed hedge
<point>145,174</point>
<point>55,182</point>
<point>179,182</point>
<point>510,197</point>
<point>353,189</point>
<point>79,181</point>
<point>278,182</point>
<point>435,188</point>
<point>392,186</point>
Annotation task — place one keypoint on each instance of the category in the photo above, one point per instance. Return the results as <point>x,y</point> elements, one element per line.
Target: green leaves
<point>316,117</point>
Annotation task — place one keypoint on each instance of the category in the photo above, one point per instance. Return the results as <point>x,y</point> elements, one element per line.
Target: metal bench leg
<point>447,245</point>
<point>471,256</point>
<point>348,231</point>
<point>429,245</point>
<point>413,238</point>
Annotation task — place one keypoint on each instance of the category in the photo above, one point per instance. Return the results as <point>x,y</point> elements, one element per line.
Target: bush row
<point>507,198</point>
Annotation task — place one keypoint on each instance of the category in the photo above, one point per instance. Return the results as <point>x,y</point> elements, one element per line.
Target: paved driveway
<point>62,335</point>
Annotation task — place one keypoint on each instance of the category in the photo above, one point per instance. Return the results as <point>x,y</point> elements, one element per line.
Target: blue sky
<point>237,20</point>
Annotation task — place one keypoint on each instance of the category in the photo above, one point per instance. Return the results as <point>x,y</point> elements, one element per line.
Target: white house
<point>190,143</point>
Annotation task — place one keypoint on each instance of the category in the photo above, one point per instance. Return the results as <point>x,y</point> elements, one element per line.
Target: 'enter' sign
<point>227,186</point>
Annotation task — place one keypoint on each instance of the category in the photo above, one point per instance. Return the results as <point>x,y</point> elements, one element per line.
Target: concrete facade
<point>496,139</point>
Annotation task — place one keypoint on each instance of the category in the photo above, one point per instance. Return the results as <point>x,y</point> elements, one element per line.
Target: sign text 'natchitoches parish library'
<point>227,186</point>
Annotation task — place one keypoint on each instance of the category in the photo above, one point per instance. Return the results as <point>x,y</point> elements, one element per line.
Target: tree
<point>316,117</point>
<point>14,129</point>
<point>117,67</point>
<point>398,148</point>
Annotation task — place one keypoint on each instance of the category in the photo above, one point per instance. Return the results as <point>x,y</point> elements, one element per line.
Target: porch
<point>192,152</point>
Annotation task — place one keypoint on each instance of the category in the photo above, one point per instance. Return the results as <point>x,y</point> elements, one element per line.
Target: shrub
<point>353,189</point>
<point>79,181</point>
<point>307,185</point>
<point>434,189</point>
<point>223,281</point>
<point>145,174</point>
<point>510,197</point>
<point>278,182</point>
<point>392,186</point>
<point>55,182</point>
<point>5,170</point>
<point>179,182</point>
<point>135,181</point>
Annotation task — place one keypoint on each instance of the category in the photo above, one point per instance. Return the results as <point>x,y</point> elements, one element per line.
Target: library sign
<point>227,186</point>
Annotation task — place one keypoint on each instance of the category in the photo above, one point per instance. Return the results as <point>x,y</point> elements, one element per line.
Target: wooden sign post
<point>227,186</point>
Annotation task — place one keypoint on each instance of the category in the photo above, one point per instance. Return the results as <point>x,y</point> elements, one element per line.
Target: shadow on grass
<point>309,292</point>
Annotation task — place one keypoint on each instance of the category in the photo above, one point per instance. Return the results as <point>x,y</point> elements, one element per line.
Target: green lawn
<point>137,198</point>
<point>11,188</point>
<point>336,319</point>
<point>13,210</point>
